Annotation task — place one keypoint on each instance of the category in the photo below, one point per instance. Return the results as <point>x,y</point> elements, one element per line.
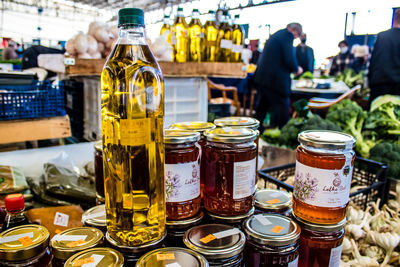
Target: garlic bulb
<point>346,246</point>
<point>92,44</point>
<point>354,215</point>
<point>101,34</point>
<point>388,241</point>
<point>355,230</point>
<point>81,43</point>
<point>374,252</point>
<point>100,47</point>
<point>70,47</point>
<point>362,260</point>
<point>84,56</point>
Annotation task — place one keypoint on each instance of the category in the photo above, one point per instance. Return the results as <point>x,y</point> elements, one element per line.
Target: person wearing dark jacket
<point>384,68</point>
<point>305,55</point>
<point>272,77</point>
<point>343,60</point>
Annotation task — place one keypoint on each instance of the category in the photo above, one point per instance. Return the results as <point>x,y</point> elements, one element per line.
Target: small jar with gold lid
<point>25,246</point>
<point>95,217</point>
<point>98,169</point>
<point>235,221</point>
<point>72,241</point>
<point>245,122</point>
<point>168,257</point>
<point>99,257</point>
<point>273,201</point>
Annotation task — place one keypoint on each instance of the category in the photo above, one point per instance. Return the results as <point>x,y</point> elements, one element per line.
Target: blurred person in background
<point>10,52</point>
<point>343,60</point>
<point>361,55</point>
<point>272,77</point>
<point>384,68</point>
<point>255,56</point>
<point>305,55</point>
<point>246,54</point>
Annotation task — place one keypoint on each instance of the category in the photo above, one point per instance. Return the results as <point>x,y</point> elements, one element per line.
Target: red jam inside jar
<point>230,171</point>
<point>324,168</point>
<point>98,169</point>
<point>182,174</point>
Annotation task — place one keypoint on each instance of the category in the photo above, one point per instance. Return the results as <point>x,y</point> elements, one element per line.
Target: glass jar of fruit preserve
<point>273,201</point>
<point>320,244</point>
<point>245,122</point>
<point>99,257</point>
<point>98,170</point>
<point>172,257</point>
<point>272,240</point>
<point>176,229</point>
<point>182,174</point>
<point>324,168</point>
<point>235,221</point>
<point>230,171</point>
<point>96,217</point>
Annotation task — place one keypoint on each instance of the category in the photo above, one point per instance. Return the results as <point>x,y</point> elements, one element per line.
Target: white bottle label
<point>294,263</point>
<point>322,187</point>
<point>237,48</point>
<point>182,181</point>
<point>244,178</point>
<point>226,44</point>
<point>336,253</point>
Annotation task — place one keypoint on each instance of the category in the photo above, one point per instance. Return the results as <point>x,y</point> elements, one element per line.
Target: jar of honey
<point>99,257</point>
<point>95,217</point>
<point>176,229</point>
<point>98,171</point>
<point>324,168</point>
<point>235,221</point>
<point>320,244</point>
<point>172,257</point>
<point>25,246</point>
<point>272,240</point>
<point>182,174</point>
<point>273,201</point>
<point>222,245</point>
<point>230,171</point>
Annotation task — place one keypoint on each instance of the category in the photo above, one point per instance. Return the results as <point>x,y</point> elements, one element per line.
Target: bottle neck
<point>15,213</point>
<point>132,35</point>
<point>211,17</point>
<point>195,15</point>
<point>180,14</point>
<point>166,21</point>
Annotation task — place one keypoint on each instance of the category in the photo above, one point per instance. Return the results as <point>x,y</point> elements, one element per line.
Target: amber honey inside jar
<point>182,174</point>
<point>273,201</point>
<point>230,171</point>
<point>324,168</point>
<point>99,257</point>
<point>172,257</point>
<point>98,169</point>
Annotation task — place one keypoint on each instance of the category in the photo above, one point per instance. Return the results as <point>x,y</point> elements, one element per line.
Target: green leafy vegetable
<point>271,136</point>
<point>388,153</point>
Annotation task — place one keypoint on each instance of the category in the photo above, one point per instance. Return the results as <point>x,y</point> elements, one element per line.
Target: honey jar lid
<point>237,121</point>
<point>319,227</point>
<point>173,136</point>
<point>198,126</point>
<point>271,199</point>
<point>231,135</point>
<point>95,216</point>
<point>230,219</point>
<point>98,145</point>
<point>271,229</point>
<point>172,257</point>
<point>71,241</point>
<point>215,241</point>
<point>134,250</point>
<point>23,242</point>
<point>99,257</point>
<point>185,223</point>
<point>329,140</point>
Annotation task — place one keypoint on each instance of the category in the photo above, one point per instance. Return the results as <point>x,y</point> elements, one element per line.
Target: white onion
<point>93,26</point>
<point>81,43</point>
<point>70,47</point>
<point>110,44</point>
<point>85,56</point>
<point>96,55</point>
<point>100,47</point>
<point>92,48</point>
<point>101,34</point>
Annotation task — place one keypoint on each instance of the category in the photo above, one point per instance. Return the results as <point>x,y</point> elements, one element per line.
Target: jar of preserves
<point>272,240</point>
<point>182,174</point>
<point>72,241</point>
<point>98,172</point>
<point>320,244</point>
<point>324,168</point>
<point>170,257</point>
<point>96,217</point>
<point>235,221</point>
<point>222,245</point>
<point>99,257</point>
<point>245,122</point>
<point>176,230</point>
<point>230,171</point>
<point>25,246</point>
<point>273,201</point>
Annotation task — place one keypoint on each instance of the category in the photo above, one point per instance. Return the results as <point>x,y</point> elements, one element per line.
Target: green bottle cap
<point>195,10</point>
<point>237,16</point>
<point>180,9</point>
<point>211,11</point>
<point>130,16</point>
<point>225,12</point>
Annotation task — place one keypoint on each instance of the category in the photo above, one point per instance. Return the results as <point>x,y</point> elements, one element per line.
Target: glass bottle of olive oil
<point>166,27</point>
<point>210,31</point>
<point>224,39</point>
<point>195,37</point>
<point>132,111</point>
<point>179,38</point>
<point>237,40</point>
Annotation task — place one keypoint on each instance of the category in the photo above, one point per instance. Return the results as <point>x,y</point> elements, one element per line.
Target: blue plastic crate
<point>41,99</point>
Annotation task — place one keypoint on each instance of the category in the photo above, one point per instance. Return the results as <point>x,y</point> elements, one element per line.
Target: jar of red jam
<point>98,257</point>
<point>320,244</point>
<point>273,201</point>
<point>272,240</point>
<point>230,171</point>
<point>324,168</point>
<point>182,174</point>
<point>176,229</point>
<point>235,221</point>
<point>98,169</point>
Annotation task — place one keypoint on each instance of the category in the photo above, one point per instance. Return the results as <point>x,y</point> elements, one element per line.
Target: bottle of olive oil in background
<point>132,111</point>
<point>224,39</point>
<point>210,32</point>
<point>195,37</point>
<point>166,27</point>
<point>237,40</point>
<point>179,38</point>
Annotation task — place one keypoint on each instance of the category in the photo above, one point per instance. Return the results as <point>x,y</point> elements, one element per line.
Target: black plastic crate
<point>368,174</point>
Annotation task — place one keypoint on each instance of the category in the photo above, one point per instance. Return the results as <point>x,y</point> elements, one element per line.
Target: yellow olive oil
<point>210,32</point>
<point>195,37</point>
<point>179,38</point>
<point>166,27</point>
<point>237,41</point>
<point>224,39</point>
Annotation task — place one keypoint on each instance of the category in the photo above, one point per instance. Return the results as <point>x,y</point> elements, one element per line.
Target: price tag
<point>25,241</point>
<point>84,261</point>
<point>277,229</point>
<point>166,256</point>
<point>207,238</point>
<point>69,237</point>
<point>13,238</point>
<point>96,260</point>
<point>175,264</point>
<point>262,219</point>
<point>61,219</point>
<point>273,201</point>
<point>226,233</point>
<point>76,243</point>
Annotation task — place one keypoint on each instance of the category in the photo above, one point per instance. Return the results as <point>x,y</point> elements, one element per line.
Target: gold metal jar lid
<point>23,242</point>
<point>135,250</point>
<point>237,121</point>
<point>172,257</point>
<point>230,219</point>
<point>71,241</point>
<point>95,216</point>
<point>231,135</point>
<point>215,241</point>
<point>271,229</point>
<point>172,136</point>
<point>271,199</point>
<point>99,257</point>
<point>186,223</point>
<point>197,126</point>
<point>329,140</point>
<point>319,227</point>
<point>98,145</point>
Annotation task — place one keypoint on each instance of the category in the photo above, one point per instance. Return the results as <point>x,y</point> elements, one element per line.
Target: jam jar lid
<point>70,241</point>
<point>198,126</point>
<point>172,257</point>
<point>329,140</point>
<point>237,121</point>
<point>23,242</point>
<point>271,229</point>
<point>231,135</point>
<point>272,199</point>
<point>95,216</point>
<point>215,241</point>
<point>139,249</point>
<point>319,227</point>
<point>186,223</point>
<point>230,219</point>
<point>173,136</point>
<point>98,145</point>
<point>99,257</point>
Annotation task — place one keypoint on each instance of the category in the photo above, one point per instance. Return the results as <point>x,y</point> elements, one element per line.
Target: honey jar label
<point>322,187</point>
<point>244,178</point>
<point>182,181</point>
<point>135,132</point>
<point>334,259</point>
<point>294,263</point>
